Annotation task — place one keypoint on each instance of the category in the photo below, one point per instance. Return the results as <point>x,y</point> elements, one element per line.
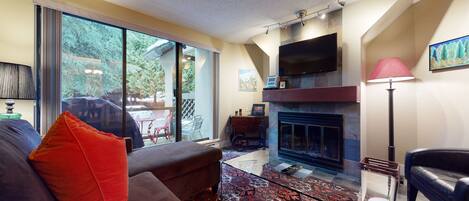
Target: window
<point>100,89</point>
<point>91,73</point>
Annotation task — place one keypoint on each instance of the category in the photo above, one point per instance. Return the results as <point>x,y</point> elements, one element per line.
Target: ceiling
<point>231,20</point>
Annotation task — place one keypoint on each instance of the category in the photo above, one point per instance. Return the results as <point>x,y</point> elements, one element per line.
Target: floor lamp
<point>390,70</point>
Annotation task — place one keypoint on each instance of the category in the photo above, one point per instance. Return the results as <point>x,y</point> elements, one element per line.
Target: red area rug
<point>240,185</point>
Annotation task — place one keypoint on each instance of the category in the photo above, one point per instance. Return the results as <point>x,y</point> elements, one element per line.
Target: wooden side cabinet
<point>248,131</point>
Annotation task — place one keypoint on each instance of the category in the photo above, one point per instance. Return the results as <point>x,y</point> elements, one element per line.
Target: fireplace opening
<point>312,138</point>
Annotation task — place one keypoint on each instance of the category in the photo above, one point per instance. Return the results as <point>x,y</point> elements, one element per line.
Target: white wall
<point>17,44</point>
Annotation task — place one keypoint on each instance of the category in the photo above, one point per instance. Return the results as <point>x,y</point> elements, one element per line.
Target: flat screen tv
<point>309,56</point>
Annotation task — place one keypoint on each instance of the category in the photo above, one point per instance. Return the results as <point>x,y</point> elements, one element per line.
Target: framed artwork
<point>247,80</point>
<point>449,54</point>
<point>258,110</point>
<point>272,82</point>
<point>283,84</point>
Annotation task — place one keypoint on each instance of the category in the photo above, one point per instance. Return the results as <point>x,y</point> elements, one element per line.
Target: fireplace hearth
<point>311,138</point>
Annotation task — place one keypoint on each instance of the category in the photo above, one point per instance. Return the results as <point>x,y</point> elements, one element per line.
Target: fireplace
<point>311,138</point>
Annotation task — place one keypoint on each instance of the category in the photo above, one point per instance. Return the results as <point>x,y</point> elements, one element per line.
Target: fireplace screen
<point>311,138</point>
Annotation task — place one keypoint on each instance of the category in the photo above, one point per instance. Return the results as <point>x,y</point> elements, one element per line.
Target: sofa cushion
<point>18,180</point>
<point>79,162</point>
<point>439,181</point>
<point>172,160</point>
<point>145,186</point>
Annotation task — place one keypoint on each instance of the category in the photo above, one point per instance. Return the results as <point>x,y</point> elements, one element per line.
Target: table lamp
<point>390,70</point>
<point>16,82</point>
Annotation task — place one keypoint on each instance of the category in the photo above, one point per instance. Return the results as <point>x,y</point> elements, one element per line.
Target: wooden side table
<point>10,116</point>
<point>384,179</point>
<point>248,128</point>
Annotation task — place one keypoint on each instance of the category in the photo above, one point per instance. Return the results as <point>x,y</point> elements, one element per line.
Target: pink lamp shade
<point>390,69</point>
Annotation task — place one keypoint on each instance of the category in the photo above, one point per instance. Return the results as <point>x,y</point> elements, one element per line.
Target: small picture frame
<point>258,110</point>
<point>272,82</point>
<point>283,84</point>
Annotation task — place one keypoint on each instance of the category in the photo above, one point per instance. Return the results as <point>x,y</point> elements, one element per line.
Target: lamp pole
<point>391,149</point>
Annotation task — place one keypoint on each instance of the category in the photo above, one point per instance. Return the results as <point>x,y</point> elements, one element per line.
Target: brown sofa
<point>186,168</point>
<point>170,172</point>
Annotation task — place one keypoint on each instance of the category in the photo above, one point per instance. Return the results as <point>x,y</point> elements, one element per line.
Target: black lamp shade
<point>16,82</point>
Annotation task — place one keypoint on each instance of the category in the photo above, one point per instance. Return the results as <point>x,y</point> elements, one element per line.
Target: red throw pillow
<point>79,162</point>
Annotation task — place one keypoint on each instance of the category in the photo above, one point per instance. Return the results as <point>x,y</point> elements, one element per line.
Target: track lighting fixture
<point>301,16</point>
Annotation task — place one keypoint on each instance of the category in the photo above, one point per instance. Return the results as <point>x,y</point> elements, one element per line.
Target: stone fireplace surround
<point>349,110</point>
<point>351,129</point>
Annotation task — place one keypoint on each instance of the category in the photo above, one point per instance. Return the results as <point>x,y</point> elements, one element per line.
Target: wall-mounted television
<point>309,56</point>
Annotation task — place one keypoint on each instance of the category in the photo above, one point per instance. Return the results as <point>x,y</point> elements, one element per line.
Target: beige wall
<point>358,18</point>
<point>233,58</point>
<point>17,43</point>
<point>431,111</point>
<point>442,97</point>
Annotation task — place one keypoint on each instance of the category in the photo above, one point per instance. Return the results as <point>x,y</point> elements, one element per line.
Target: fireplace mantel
<point>342,94</point>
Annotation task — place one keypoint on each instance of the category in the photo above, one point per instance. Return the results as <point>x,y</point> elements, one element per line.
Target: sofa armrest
<point>145,186</point>
<point>461,191</point>
<point>455,160</point>
<point>170,160</point>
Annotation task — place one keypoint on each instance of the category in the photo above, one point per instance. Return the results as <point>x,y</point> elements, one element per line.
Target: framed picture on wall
<point>449,54</point>
<point>247,80</point>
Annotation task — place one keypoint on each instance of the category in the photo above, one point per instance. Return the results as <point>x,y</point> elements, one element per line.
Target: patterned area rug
<point>239,185</point>
<point>272,186</point>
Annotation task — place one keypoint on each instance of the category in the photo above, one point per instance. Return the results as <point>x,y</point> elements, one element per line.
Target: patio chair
<point>192,130</point>
<point>166,128</point>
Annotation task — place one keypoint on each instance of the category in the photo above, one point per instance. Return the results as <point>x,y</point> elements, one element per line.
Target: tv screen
<point>309,56</point>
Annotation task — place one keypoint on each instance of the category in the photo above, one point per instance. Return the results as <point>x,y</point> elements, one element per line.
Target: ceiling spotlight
<point>323,16</point>
<point>301,14</point>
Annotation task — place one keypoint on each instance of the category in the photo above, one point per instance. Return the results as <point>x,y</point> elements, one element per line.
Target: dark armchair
<point>439,174</point>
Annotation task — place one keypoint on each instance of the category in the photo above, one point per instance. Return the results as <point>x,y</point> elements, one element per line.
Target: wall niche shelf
<point>342,94</point>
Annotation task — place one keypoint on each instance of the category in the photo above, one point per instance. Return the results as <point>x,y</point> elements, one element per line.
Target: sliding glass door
<point>136,85</point>
<point>92,72</point>
<point>197,94</point>
<point>151,83</point>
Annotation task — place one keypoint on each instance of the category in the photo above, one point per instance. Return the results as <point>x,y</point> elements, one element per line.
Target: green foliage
<point>88,45</point>
<point>188,77</point>
<point>148,78</point>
